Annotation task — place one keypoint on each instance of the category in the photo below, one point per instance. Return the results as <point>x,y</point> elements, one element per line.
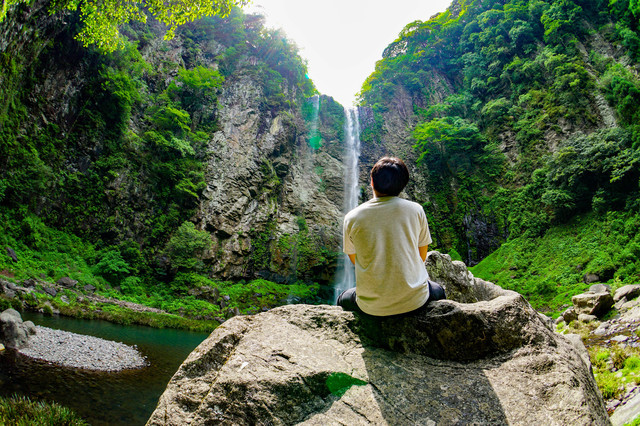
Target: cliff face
<point>123,148</point>
<point>271,197</point>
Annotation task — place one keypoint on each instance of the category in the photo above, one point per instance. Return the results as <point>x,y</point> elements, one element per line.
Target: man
<point>387,239</point>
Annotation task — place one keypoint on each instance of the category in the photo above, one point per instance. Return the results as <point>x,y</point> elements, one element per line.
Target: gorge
<point>205,177</point>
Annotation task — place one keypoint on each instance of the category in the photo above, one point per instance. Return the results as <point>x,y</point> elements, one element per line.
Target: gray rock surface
<point>492,360</point>
<point>67,282</point>
<point>627,292</point>
<point>591,303</point>
<point>627,412</point>
<point>570,315</point>
<point>600,288</point>
<point>14,333</point>
<point>12,254</point>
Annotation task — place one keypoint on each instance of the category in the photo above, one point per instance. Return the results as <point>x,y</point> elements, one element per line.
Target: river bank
<point>81,351</point>
<point>125,397</point>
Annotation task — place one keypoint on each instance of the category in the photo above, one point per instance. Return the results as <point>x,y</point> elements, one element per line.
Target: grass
<point>549,270</point>
<point>615,368</point>
<point>22,411</point>
<point>191,299</point>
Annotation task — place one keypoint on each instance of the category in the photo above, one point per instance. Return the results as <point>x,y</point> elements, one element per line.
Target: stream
<point>120,398</point>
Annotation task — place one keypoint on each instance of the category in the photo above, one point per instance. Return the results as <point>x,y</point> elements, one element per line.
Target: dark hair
<point>389,175</point>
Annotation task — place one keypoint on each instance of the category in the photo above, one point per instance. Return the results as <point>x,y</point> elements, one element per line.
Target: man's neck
<point>378,194</point>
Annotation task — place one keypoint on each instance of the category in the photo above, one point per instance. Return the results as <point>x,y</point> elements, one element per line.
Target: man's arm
<point>423,252</point>
<point>352,257</point>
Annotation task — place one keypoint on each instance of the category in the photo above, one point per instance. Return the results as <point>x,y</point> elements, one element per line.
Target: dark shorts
<point>347,300</point>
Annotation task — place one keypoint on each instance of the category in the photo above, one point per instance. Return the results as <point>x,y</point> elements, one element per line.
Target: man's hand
<point>423,252</point>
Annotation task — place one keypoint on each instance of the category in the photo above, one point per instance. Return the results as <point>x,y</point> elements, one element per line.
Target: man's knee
<point>347,300</point>
<point>436,291</point>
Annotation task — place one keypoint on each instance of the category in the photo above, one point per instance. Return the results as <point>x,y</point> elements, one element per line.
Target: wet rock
<point>89,288</point>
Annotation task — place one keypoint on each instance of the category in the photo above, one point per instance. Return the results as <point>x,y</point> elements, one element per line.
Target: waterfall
<point>345,275</point>
<point>314,134</point>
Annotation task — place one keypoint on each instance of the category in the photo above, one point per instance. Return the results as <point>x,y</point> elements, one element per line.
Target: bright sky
<point>343,39</point>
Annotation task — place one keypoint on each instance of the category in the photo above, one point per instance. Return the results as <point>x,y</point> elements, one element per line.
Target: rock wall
<point>272,203</point>
<point>264,179</point>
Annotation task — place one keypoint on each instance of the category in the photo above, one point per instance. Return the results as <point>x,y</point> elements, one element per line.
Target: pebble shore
<point>81,351</point>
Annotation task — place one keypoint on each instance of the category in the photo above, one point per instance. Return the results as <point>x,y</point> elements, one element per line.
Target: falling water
<point>314,134</point>
<point>345,275</point>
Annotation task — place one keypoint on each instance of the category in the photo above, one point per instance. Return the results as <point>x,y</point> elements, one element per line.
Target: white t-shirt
<point>384,233</point>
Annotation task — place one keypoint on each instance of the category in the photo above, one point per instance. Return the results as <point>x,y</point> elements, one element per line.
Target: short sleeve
<point>347,244</point>
<point>425,235</point>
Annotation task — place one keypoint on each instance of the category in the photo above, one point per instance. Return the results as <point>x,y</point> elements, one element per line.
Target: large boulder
<point>67,282</point>
<point>591,303</point>
<point>491,360</point>
<point>627,292</point>
<point>14,333</point>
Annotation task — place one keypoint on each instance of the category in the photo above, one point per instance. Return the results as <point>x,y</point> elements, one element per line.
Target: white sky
<point>343,39</point>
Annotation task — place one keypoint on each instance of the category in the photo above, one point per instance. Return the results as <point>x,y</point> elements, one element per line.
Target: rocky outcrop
<point>266,185</point>
<point>14,332</point>
<point>485,357</point>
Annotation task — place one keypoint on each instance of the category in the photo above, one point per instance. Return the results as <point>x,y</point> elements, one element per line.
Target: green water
<point>120,398</point>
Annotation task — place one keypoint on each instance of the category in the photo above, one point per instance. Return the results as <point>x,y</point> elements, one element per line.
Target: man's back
<point>385,234</point>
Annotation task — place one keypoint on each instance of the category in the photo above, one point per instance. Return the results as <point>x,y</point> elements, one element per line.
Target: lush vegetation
<point>517,78</point>
<point>103,189</point>
<point>190,299</point>
<point>549,270</point>
<point>22,411</point>
<point>102,20</point>
<point>526,117</point>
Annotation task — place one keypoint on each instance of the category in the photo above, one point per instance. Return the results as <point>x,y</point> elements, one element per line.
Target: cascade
<point>314,134</point>
<point>345,275</point>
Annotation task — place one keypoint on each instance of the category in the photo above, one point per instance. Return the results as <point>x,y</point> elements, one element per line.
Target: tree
<point>102,18</point>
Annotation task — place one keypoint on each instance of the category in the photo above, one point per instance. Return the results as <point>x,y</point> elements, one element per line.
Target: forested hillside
<point>522,115</point>
<point>155,171</point>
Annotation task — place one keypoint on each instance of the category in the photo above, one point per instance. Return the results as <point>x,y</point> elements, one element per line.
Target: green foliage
<point>111,265</point>
<point>514,76</point>
<point>615,368</point>
<point>102,20</point>
<point>260,294</point>
<point>21,411</point>
<point>187,245</point>
<point>589,244</point>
